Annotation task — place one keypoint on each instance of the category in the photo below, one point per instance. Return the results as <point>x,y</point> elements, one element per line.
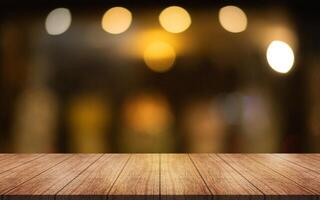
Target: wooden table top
<point>159,176</point>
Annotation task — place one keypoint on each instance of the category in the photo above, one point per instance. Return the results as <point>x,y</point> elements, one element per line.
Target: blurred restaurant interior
<point>159,76</point>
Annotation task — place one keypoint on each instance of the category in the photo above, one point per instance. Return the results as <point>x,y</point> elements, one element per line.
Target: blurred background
<point>159,76</point>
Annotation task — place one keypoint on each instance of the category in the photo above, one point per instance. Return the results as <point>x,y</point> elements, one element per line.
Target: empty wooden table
<point>159,176</point>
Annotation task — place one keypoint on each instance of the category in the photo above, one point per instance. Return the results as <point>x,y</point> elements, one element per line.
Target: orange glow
<point>147,114</point>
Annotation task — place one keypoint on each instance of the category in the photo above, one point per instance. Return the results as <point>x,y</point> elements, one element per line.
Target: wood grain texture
<point>4,156</point>
<point>159,176</point>
<point>179,178</point>
<point>222,180</point>
<point>269,182</point>
<point>16,176</point>
<point>10,161</point>
<point>315,156</point>
<point>306,178</point>
<point>97,180</point>
<point>303,160</point>
<point>54,178</point>
<point>139,179</point>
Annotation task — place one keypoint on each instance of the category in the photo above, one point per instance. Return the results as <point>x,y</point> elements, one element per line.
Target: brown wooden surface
<point>159,176</point>
<point>304,160</point>
<point>55,178</point>
<point>8,161</point>
<point>222,179</point>
<point>139,178</point>
<point>180,177</point>
<point>263,178</point>
<point>300,175</point>
<point>97,180</point>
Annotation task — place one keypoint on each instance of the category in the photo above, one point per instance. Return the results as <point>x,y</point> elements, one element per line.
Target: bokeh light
<point>147,114</point>
<point>159,56</point>
<point>58,21</point>
<point>35,119</point>
<point>233,19</point>
<point>88,118</point>
<point>204,126</point>
<point>175,19</point>
<point>116,20</point>
<point>280,56</point>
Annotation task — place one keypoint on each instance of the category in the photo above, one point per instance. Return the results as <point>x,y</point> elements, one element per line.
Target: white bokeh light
<point>233,19</point>
<point>280,56</point>
<point>58,21</point>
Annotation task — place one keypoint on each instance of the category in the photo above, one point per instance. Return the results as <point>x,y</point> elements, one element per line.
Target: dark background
<point>220,96</point>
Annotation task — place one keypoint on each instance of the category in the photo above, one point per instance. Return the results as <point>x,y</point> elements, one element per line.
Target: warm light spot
<point>280,56</point>
<point>175,19</point>
<point>159,56</point>
<point>116,20</point>
<point>204,126</point>
<point>58,21</point>
<point>88,118</point>
<point>147,113</point>
<point>136,46</point>
<point>233,19</point>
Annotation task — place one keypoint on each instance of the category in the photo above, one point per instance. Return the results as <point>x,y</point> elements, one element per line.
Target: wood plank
<point>10,161</point>
<point>14,177</point>
<point>303,160</point>
<point>272,184</point>
<point>315,156</point>
<point>223,180</point>
<point>96,181</point>
<point>154,176</point>
<point>300,175</point>
<point>139,180</point>
<point>179,179</point>
<point>4,156</point>
<point>54,179</point>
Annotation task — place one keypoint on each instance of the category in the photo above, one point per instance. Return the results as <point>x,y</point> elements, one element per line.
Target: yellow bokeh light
<point>88,121</point>
<point>280,56</point>
<point>175,19</point>
<point>116,20</point>
<point>58,21</point>
<point>159,56</point>
<point>233,19</point>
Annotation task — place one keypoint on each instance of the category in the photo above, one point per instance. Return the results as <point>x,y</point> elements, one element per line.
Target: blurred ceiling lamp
<point>175,19</point>
<point>280,56</point>
<point>233,19</point>
<point>159,56</point>
<point>58,21</point>
<point>116,20</point>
